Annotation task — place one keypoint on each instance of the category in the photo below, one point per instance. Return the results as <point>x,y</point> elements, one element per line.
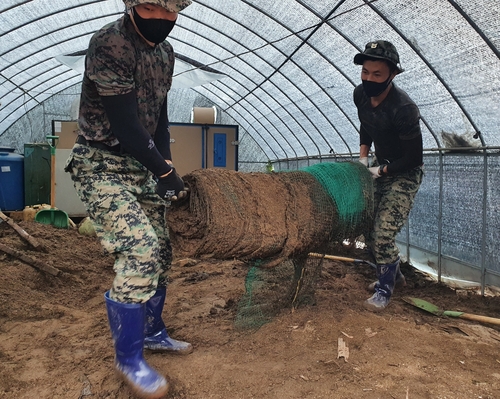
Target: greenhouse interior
<point>283,73</point>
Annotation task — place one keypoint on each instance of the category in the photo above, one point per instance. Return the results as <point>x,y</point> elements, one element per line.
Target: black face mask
<point>374,89</point>
<point>153,30</point>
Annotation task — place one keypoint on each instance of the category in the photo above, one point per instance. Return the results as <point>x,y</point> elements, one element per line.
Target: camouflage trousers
<point>128,217</point>
<point>393,199</point>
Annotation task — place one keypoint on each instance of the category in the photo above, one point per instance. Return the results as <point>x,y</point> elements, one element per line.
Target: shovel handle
<point>476,317</point>
<point>53,144</point>
<point>52,180</point>
<point>332,257</point>
<point>341,258</point>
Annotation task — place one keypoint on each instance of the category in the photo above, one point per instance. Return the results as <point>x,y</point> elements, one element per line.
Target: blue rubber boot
<point>157,338</point>
<point>385,287</point>
<point>126,322</point>
<point>400,281</point>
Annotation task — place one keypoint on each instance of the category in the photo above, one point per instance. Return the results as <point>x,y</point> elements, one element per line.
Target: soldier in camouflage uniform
<point>122,169</point>
<point>390,120</point>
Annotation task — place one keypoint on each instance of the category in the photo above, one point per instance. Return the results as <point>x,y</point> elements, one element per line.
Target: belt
<point>99,145</point>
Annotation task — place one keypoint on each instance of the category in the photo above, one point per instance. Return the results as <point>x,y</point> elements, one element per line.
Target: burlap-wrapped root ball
<point>258,216</point>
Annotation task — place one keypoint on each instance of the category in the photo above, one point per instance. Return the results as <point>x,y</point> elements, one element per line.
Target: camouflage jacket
<point>118,61</point>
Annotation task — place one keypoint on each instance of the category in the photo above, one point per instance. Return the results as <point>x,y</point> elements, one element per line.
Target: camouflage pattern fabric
<point>169,5</point>
<point>393,199</point>
<point>129,219</point>
<point>119,61</point>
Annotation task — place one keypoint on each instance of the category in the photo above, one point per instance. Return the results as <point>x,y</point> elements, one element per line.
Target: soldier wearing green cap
<point>121,166</point>
<point>389,120</point>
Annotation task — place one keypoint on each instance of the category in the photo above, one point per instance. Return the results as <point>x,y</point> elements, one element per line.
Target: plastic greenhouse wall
<point>462,244</point>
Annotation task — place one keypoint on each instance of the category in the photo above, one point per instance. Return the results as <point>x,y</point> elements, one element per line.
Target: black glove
<point>171,187</point>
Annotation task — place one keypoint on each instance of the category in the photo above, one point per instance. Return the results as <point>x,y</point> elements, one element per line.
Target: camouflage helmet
<point>169,5</point>
<point>382,50</point>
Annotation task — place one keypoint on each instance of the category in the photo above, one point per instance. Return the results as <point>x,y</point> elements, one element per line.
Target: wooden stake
<point>31,240</point>
<point>30,261</point>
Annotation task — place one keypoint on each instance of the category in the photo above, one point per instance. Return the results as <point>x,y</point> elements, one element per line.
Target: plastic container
<point>11,180</point>
<point>29,213</point>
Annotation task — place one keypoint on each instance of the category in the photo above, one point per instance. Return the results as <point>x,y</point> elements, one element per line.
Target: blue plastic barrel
<point>11,180</point>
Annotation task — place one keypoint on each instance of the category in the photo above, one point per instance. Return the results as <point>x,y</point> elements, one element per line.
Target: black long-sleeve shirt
<point>393,127</point>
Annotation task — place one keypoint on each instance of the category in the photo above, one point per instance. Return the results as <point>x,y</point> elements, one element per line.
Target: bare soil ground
<point>55,341</point>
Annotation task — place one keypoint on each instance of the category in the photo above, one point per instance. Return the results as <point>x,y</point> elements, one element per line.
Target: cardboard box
<point>67,132</point>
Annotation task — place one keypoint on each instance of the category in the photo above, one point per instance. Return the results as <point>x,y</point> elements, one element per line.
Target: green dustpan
<point>55,217</point>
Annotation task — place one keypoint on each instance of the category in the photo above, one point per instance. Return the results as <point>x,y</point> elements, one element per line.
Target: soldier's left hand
<point>171,187</point>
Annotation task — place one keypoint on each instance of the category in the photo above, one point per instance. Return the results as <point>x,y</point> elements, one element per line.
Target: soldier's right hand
<point>171,187</point>
<point>375,171</point>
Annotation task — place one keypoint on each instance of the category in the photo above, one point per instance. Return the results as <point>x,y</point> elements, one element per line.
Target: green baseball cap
<point>169,5</point>
<point>379,49</point>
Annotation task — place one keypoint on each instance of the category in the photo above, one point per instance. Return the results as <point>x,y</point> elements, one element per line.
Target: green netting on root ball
<point>347,184</point>
<point>270,290</point>
<point>342,182</point>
